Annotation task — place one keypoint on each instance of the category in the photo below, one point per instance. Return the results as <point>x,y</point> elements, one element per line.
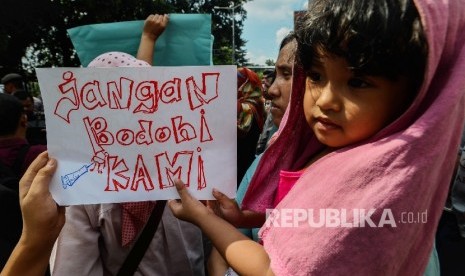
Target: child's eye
<point>357,83</point>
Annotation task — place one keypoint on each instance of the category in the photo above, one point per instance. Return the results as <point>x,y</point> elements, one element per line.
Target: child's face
<point>343,108</point>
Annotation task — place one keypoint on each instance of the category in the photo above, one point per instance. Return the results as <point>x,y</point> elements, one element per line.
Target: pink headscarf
<point>134,215</point>
<point>406,167</point>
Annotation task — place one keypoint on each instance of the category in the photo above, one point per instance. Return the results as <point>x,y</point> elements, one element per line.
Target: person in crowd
<point>279,91</point>
<point>267,79</point>
<point>373,86</point>
<point>268,76</point>
<point>13,133</point>
<point>279,95</point>
<point>12,82</point>
<point>36,133</point>
<point>42,218</point>
<point>98,238</point>
<point>28,103</point>
<point>16,154</point>
<point>250,118</point>
<point>450,236</point>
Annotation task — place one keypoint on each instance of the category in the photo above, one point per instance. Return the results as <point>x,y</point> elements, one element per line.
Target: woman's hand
<point>42,217</point>
<point>229,210</point>
<point>226,207</point>
<point>42,220</point>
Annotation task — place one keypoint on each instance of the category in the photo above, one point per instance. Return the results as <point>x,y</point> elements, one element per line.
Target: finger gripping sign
<point>125,134</point>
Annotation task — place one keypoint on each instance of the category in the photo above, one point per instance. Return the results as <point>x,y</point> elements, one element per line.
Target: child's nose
<point>328,98</point>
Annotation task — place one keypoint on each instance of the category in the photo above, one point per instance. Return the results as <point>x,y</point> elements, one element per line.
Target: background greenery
<point>33,32</point>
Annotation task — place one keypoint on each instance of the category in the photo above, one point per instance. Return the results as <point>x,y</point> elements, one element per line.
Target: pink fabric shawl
<point>406,167</point>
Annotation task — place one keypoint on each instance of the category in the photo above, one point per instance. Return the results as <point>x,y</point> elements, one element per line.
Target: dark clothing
<point>450,235</point>
<point>10,213</point>
<point>246,146</point>
<point>269,129</point>
<point>9,149</point>
<point>450,246</point>
<point>35,133</point>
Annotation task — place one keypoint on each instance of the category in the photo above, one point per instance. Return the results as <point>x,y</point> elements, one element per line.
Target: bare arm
<point>42,220</point>
<point>154,26</point>
<point>245,256</point>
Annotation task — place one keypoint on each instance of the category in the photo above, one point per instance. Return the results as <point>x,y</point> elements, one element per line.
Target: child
<point>375,115</point>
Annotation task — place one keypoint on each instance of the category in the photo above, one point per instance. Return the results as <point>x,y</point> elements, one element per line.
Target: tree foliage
<point>33,33</point>
<point>270,62</point>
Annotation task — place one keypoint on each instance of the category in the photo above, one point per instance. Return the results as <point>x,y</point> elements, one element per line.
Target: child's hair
<point>376,37</point>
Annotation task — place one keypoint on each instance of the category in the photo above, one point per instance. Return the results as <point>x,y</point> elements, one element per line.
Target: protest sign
<point>187,40</point>
<point>124,134</point>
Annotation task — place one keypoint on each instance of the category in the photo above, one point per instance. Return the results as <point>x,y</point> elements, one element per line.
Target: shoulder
<point>32,153</point>
<point>35,150</point>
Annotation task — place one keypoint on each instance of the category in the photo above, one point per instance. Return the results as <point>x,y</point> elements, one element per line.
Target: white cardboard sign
<point>124,134</point>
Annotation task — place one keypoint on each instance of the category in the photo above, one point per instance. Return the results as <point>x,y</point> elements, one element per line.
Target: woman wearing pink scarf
<point>372,128</point>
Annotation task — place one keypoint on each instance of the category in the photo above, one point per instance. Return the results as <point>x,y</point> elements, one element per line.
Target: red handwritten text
<point>136,97</point>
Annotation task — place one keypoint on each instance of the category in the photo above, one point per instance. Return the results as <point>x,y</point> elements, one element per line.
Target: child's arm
<point>245,256</point>
<point>228,209</point>
<point>154,26</point>
<point>42,220</point>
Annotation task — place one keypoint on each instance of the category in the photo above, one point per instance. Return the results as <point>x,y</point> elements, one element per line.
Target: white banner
<point>124,134</point>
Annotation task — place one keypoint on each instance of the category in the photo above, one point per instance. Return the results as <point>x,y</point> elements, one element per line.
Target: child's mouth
<point>325,124</point>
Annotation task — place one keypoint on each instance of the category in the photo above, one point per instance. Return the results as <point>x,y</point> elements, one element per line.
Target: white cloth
<point>90,244</point>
